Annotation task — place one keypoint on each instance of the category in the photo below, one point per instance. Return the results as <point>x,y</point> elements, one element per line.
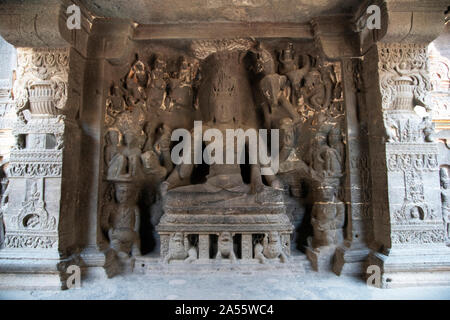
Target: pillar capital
<point>405,21</point>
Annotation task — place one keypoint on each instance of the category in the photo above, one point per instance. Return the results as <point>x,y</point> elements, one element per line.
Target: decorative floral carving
<point>42,79</point>
<point>30,242</point>
<point>403,76</point>
<point>417,237</point>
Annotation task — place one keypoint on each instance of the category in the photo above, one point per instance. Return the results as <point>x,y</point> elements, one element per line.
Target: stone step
<point>297,264</point>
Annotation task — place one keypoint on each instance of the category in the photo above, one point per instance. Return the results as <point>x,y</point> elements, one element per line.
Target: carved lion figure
<point>179,249</point>
<point>225,247</point>
<point>271,248</point>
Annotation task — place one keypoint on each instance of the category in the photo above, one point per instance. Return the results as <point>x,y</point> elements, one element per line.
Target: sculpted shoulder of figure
<point>445,197</point>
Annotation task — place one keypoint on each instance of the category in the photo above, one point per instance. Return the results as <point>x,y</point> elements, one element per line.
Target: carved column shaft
<point>408,227</point>
<point>39,207</point>
<point>349,257</point>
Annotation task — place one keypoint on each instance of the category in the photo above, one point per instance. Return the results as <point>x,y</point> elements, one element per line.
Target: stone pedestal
<point>203,226</point>
<point>321,258</point>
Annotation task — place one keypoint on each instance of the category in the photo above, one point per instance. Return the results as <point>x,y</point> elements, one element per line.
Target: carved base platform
<point>321,258</point>
<point>205,222</point>
<point>33,271</point>
<point>350,260</point>
<point>297,264</point>
<point>403,269</point>
<point>115,264</point>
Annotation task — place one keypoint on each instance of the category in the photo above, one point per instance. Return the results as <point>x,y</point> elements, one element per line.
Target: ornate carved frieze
<point>20,241</point>
<point>408,237</point>
<point>42,81</point>
<point>404,78</point>
<point>412,162</point>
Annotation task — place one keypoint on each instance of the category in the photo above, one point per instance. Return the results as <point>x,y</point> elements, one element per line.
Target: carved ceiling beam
<point>222,30</point>
<point>404,21</point>
<point>335,37</point>
<point>43,24</point>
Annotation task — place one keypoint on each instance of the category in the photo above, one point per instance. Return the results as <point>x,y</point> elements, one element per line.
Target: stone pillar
<point>203,246</point>
<point>408,231</point>
<point>408,223</point>
<point>7,110</point>
<point>39,206</point>
<point>350,257</point>
<point>246,247</point>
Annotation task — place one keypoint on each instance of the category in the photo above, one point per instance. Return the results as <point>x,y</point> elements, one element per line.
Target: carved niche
<point>226,212</point>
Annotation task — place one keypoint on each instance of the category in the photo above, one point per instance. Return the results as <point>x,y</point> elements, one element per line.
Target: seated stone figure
<point>223,179</point>
<point>123,221</point>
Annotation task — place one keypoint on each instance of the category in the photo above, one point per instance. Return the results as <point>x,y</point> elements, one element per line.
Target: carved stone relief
<point>233,213</point>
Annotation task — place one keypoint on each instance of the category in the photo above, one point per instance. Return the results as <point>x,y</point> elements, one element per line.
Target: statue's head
<point>273,237</point>
<point>264,61</point>
<point>139,66</point>
<point>313,79</point>
<point>129,138</point>
<point>288,53</point>
<point>225,237</point>
<point>334,136</point>
<point>124,192</point>
<point>183,63</point>
<point>326,193</point>
<point>320,139</point>
<point>178,238</point>
<point>287,132</point>
<point>150,159</point>
<point>112,137</point>
<point>159,63</point>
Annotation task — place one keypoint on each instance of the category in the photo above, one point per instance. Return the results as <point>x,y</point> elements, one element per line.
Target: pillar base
<point>350,260</point>
<point>406,270</point>
<point>44,271</point>
<point>321,258</point>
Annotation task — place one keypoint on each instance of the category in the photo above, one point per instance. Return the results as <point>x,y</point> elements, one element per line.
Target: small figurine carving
<point>271,248</point>
<point>225,247</point>
<point>392,130</point>
<point>112,145</point>
<point>428,129</point>
<point>180,249</point>
<point>128,162</point>
<point>273,86</point>
<point>124,221</point>
<point>158,84</point>
<point>335,143</point>
<point>136,83</point>
<point>326,161</point>
<point>445,196</point>
<point>315,92</point>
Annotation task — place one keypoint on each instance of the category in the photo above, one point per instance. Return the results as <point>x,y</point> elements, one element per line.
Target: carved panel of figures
<point>226,84</point>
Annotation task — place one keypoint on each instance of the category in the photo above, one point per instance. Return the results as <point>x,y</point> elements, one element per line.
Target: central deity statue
<point>225,101</point>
